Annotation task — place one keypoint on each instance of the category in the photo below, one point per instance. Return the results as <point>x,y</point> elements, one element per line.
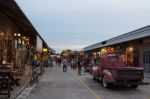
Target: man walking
<point>79,62</point>
<point>65,63</point>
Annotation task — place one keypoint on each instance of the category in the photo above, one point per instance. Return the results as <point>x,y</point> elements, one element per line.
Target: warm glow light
<point>110,50</point>
<point>45,49</point>
<point>130,49</point>
<point>94,53</point>
<point>24,37</point>
<point>81,53</point>
<point>103,50</point>
<point>23,42</point>
<point>65,54</point>
<point>19,34</point>
<point>15,34</point>
<point>2,33</point>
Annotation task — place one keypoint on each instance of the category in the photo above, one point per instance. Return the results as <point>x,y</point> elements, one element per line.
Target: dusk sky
<point>74,24</point>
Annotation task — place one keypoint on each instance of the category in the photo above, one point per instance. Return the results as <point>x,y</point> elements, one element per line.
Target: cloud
<point>69,23</point>
<point>59,48</point>
<point>82,5</point>
<point>68,46</point>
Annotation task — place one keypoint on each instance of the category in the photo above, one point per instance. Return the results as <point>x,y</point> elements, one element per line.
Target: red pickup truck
<point>113,70</point>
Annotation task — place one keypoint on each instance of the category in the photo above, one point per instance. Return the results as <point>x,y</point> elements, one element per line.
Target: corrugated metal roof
<point>136,34</point>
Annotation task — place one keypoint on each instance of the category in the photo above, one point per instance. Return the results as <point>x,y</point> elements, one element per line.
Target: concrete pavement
<point>147,77</point>
<point>56,84</point>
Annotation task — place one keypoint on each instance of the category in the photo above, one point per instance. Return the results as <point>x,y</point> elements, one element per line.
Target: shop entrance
<point>146,60</point>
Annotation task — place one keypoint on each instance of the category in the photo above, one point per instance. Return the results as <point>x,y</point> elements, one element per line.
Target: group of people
<point>72,62</point>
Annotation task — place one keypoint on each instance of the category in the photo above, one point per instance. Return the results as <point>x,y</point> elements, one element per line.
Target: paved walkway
<point>56,84</point>
<point>147,77</point>
<point>18,89</point>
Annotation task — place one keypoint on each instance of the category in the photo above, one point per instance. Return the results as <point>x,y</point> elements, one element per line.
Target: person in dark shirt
<point>79,66</point>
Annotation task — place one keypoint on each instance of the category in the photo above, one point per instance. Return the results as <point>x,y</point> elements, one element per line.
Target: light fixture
<point>15,34</point>
<point>23,42</point>
<point>2,33</point>
<point>130,49</point>
<point>45,49</point>
<point>19,34</point>
<point>27,39</point>
<point>24,37</point>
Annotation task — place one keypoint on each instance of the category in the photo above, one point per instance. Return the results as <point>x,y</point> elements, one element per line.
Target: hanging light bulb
<point>15,34</point>
<point>19,34</point>
<point>2,33</point>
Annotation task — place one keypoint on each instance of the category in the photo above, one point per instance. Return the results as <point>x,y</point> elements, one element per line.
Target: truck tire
<point>93,77</point>
<point>105,83</point>
<point>134,86</point>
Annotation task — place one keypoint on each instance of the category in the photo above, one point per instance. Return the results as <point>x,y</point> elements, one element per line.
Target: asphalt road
<point>56,84</point>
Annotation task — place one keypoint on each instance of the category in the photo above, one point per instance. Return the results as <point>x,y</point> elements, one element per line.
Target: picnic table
<point>6,79</point>
<point>6,72</point>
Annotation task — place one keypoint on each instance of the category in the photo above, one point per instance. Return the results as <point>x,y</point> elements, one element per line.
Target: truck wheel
<point>94,78</point>
<point>134,86</point>
<point>105,82</point>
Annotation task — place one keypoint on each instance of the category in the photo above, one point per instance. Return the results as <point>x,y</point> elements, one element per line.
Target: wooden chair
<point>4,86</point>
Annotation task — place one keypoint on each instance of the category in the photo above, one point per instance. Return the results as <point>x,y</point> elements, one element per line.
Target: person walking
<point>65,63</point>
<point>59,62</point>
<point>79,66</point>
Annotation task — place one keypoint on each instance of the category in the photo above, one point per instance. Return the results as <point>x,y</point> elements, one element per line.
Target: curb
<point>24,94</point>
<point>20,91</point>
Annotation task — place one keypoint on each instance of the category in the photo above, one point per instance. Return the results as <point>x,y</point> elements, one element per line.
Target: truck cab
<point>112,69</point>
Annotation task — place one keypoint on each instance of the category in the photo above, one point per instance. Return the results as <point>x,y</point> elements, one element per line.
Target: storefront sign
<point>45,50</point>
<point>39,44</point>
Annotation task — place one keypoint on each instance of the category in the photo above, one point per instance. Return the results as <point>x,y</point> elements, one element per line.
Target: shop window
<point>146,60</point>
<point>1,46</point>
<point>129,55</point>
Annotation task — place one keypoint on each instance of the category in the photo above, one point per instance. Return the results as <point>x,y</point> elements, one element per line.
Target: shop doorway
<point>146,60</point>
<point>129,57</point>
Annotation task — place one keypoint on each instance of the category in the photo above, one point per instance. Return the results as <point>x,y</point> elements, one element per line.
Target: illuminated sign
<point>45,50</point>
<point>39,44</point>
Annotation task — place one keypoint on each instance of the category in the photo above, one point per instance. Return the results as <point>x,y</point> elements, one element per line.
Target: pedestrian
<point>73,63</point>
<point>65,63</point>
<point>50,62</point>
<point>59,62</point>
<point>85,65</point>
<point>79,66</point>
